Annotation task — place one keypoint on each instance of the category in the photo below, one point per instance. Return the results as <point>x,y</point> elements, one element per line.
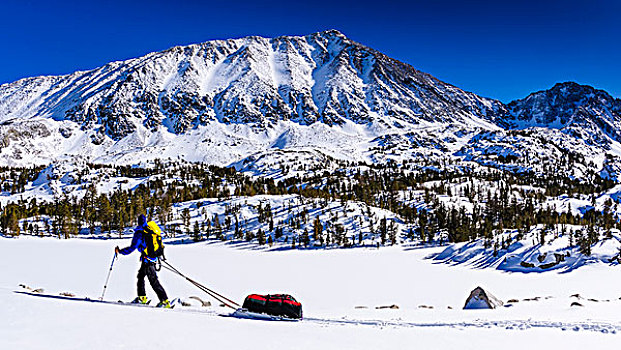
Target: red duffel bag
<point>274,304</point>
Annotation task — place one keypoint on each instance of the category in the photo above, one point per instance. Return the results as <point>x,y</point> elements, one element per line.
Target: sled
<point>272,305</point>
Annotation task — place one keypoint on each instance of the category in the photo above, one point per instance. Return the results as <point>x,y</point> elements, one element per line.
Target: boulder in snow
<point>481,299</point>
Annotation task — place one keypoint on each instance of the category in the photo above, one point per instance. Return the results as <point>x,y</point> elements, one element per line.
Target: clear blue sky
<point>500,49</point>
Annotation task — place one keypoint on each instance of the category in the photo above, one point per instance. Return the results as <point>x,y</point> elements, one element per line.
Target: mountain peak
<point>569,104</point>
<point>570,84</point>
<point>332,32</point>
<point>571,87</point>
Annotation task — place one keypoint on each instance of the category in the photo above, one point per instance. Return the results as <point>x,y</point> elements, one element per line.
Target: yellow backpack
<point>152,235</point>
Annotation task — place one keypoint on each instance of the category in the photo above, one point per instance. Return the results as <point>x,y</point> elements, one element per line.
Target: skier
<point>144,241</point>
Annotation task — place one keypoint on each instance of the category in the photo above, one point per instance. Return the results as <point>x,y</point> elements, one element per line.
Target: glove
<point>116,250</point>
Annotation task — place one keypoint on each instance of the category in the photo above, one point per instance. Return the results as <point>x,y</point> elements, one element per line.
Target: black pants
<point>148,269</point>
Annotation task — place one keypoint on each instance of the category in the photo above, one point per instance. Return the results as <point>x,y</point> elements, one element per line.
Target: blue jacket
<point>138,243</point>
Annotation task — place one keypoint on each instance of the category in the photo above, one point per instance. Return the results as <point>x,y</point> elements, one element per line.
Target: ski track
<point>521,325</point>
<point>602,327</point>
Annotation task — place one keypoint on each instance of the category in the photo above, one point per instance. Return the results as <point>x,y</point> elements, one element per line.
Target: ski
<point>90,300</point>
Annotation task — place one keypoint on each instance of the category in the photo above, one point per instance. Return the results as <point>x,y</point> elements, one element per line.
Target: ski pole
<point>107,278</point>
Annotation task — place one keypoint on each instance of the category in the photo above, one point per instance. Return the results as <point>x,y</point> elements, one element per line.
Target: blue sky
<point>498,49</point>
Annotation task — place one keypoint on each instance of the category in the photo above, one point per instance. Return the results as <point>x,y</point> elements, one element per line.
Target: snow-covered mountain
<point>261,93</point>
<point>320,77</point>
<point>571,107</point>
<point>256,103</point>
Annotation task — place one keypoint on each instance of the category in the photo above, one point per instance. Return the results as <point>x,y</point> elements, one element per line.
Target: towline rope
<point>224,300</point>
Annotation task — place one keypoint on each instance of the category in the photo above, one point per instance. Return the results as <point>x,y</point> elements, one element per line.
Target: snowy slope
<point>528,255</point>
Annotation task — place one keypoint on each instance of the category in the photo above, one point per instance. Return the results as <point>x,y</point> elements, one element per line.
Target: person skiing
<point>147,240</point>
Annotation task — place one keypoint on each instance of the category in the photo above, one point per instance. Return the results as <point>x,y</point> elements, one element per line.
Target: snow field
<point>330,284</point>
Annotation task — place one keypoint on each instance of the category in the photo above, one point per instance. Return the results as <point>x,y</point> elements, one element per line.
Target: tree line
<point>518,202</point>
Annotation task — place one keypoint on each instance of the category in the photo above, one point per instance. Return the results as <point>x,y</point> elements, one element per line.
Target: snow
<point>330,285</point>
<point>528,255</point>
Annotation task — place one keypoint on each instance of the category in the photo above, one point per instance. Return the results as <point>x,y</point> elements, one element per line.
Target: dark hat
<point>142,219</point>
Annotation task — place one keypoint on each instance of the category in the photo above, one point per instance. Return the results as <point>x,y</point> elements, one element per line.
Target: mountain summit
<point>323,77</point>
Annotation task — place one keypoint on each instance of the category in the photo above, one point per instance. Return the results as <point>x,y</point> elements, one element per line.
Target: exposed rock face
<point>21,130</point>
<point>482,299</point>
<point>572,107</point>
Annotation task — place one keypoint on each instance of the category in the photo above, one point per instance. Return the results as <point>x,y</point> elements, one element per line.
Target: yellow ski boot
<point>141,300</point>
<point>165,304</point>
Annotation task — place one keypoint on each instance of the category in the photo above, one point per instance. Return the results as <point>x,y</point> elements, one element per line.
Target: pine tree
<point>208,231</point>
<point>13,223</point>
<point>261,237</point>
<point>217,226</point>
<point>317,228</point>
<point>105,214</point>
<point>383,230</point>
<point>392,232</point>
<point>249,236</point>
<point>185,217</point>
<point>422,225</point>
<point>305,238</point>
<point>584,244</point>
<point>238,233</point>
<point>542,237</point>
<point>278,232</point>
<point>197,232</point>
